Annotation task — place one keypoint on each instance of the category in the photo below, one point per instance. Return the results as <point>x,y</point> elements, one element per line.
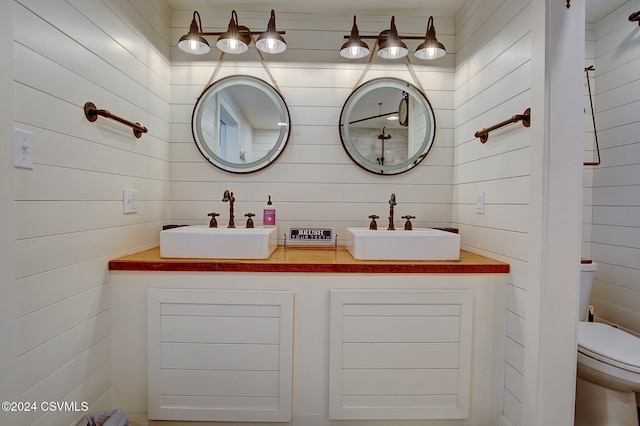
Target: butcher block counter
<point>309,260</point>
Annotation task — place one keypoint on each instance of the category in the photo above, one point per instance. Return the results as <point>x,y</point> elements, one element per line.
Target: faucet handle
<point>249,217</point>
<point>373,225</point>
<point>213,223</point>
<point>407,225</point>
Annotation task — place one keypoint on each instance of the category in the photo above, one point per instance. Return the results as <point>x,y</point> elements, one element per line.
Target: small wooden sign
<point>310,237</point>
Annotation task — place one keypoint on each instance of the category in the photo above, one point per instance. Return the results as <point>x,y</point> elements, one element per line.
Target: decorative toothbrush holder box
<point>311,238</point>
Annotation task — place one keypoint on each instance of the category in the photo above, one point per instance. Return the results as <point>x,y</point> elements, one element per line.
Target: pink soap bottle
<point>269,215</point>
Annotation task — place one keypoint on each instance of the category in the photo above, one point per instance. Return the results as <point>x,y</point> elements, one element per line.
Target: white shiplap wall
<point>314,182</point>
<point>7,289</point>
<point>590,154</point>
<point>69,219</point>
<point>616,182</point>
<point>493,82</point>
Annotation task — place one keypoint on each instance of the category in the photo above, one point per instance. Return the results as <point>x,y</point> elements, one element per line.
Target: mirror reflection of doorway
<point>228,138</point>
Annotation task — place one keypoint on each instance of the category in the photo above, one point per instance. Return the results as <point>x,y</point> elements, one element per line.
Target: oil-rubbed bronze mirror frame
<point>364,126</point>
<point>260,124</point>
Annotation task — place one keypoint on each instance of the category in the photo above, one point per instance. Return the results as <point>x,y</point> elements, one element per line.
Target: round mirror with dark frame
<point>240,124</point>
<point>387,126</point>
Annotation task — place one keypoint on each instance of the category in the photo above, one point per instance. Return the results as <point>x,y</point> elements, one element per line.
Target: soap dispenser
<point>269,215</point>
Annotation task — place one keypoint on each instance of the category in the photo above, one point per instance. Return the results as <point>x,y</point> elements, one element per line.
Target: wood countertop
<point>309,260</point>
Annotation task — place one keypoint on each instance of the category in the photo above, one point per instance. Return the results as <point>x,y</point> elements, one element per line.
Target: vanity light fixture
<point>271,41</point>
<point>193,42</point>
<point>235,40</point>
<point>431,48</point>
<point>355,47</point>
<point>391,45</point>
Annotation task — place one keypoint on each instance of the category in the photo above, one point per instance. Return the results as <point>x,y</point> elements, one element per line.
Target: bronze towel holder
<point>525,118</point>
<point>92,114</point>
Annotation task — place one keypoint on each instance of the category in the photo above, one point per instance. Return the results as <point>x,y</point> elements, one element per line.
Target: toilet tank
<point>587,271</point>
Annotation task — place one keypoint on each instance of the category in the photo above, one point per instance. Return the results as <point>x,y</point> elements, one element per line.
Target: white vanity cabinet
<point>426,348</point>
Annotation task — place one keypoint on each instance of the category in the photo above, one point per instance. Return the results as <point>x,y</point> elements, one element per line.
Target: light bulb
<point>393,52</point>
<point>232,44</point>
<point>271,45</point>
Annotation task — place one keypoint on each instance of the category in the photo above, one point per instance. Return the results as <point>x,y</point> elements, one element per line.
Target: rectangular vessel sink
<point>218,243</point>
<point>418,244</point>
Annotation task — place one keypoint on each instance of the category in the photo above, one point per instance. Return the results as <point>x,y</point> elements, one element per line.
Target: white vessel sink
<point>218,243</point>
<point>418,244</point>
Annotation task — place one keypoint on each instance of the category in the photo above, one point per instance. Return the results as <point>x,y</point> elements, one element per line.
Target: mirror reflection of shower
<point>384,136</point>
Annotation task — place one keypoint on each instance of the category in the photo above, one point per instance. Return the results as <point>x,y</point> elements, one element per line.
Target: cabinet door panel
<point>400,354</point>
<point>220,355</point>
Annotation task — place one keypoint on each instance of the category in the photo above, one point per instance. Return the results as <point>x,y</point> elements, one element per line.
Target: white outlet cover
<point>480,202</point>
<point>129,201</point>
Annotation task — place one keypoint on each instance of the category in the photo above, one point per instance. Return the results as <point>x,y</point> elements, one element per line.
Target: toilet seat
<point>609,345</point>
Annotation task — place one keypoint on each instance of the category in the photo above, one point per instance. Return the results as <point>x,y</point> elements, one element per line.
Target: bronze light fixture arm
<point>375,37</point>
<point>635,17</point>
<point>242,29</point>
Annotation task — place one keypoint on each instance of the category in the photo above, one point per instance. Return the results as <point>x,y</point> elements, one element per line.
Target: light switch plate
<point>22,149</point>
<point>480,202</point>
<point>129,201</point>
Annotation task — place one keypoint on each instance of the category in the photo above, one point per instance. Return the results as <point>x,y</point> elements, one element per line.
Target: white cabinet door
<point>398,354</point>
<point>220,355</point>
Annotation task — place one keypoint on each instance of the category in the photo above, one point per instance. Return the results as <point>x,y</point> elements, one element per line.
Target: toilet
<point>608,367</point>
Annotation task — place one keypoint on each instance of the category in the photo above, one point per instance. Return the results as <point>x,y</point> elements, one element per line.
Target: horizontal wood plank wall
<point>8,391</point>
<point>493,83</point>
<point>589,140</point>
<point>69,220</point>
<point>314,182</point>
<point>616,182</point>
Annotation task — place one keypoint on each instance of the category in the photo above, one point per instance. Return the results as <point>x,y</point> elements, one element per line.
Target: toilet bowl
<point>608,374</point>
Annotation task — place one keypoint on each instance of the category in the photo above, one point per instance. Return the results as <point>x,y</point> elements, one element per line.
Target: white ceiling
<point>596,9</point>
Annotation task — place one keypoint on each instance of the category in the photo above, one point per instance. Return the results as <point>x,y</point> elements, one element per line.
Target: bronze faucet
<point>392,203</point>
<point>249,217</point>
<point>407,224</point>
<point>373,225</point>
<point>213,223</point>
<point>228,197</point>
